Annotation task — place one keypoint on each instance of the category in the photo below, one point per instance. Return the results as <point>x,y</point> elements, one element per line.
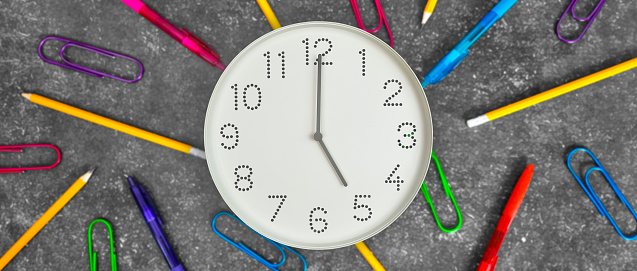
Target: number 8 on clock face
<point>318,135</point>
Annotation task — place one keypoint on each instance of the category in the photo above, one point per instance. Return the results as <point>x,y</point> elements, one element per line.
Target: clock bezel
<point>428,148</point>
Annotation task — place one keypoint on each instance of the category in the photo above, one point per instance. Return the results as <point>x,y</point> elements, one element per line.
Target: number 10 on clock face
<point>318,154</point>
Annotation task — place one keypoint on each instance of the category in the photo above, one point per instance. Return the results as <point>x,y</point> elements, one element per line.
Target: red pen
<point>190,41</point>
<point>490,256</point>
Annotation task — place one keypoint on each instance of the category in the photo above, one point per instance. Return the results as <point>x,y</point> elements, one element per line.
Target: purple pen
<point>155,224</point>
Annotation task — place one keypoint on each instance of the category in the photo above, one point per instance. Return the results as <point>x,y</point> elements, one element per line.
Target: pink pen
<point>187,39</point>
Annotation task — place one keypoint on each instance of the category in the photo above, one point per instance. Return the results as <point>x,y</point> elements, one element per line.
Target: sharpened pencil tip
<point>425,18</point>
<point>26,95</point>
<point>87,175</point>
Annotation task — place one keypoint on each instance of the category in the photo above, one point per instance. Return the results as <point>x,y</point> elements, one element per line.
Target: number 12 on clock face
<point>318,135</point>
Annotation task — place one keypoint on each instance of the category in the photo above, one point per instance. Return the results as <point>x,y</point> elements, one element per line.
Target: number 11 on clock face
<point>318,135</point>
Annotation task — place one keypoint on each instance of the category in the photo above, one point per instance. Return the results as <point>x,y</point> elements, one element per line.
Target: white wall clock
<point>262,135</point>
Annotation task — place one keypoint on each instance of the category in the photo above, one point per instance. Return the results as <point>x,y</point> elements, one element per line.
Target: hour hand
<point>318,137</point>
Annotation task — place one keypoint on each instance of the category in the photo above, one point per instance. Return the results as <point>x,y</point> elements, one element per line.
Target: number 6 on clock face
<point>307,125</point>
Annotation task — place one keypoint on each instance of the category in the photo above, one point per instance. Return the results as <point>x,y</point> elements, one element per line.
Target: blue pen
<point>156,225</point>
<point>461,50</point>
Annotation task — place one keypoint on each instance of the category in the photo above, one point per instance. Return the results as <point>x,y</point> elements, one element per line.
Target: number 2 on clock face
<point>363,119</point>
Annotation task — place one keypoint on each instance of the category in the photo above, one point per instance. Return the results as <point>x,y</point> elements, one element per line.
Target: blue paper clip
<point>250,252</point>
<point>591,194</point>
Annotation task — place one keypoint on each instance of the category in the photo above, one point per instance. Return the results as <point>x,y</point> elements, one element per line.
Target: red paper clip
<point>18,148</point>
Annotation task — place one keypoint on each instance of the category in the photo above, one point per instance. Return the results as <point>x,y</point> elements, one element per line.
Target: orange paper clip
<point>18,148</point>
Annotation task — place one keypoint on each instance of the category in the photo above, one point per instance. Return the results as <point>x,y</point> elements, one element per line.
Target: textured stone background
<point>557,227</point>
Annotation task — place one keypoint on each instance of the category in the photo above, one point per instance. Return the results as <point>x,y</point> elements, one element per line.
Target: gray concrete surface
<point>557,227</point>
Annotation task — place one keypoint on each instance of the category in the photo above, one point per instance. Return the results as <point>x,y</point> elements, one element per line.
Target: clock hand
<point>317,135</point>
<point>318,99</point>
<point>338,172</point>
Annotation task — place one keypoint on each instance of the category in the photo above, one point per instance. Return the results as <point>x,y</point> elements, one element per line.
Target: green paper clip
<point>445,186</point>
<point>92,256</point>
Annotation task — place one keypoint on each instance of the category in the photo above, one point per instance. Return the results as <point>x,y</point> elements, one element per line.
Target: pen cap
<point>518,193</point>
<point>201,43</point>
<point>447,64</point>
<point>136,5</point>
<point>503,6</point>
<point>153,213</point>
<point>144,202</point>
<point>203,50</point>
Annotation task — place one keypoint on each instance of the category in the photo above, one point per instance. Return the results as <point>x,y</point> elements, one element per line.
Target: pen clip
<point>201,43</point>
<point>151,203</point>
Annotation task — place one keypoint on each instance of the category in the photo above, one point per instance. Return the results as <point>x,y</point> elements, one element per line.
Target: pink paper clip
<point>18,148</point>
<point>381,20</point>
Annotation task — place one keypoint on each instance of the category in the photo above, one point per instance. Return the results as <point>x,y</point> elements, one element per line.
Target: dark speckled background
<point>557,227</point>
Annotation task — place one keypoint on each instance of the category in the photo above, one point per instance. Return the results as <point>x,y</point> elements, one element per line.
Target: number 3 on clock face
<point>318,154</point>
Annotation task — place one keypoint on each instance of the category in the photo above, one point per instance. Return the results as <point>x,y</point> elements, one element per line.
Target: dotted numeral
<point>245,96</point>
<point>268,66</point>
<point>362,53</point>
<point>397,181</point>
<point>233,141</point>
<point>358,206</point>
<point>400,87</point>
<point>306,41</point>
<point>243,177</point>
<point>409,135</point>
<point>314,220</point>
<point>282,197</point>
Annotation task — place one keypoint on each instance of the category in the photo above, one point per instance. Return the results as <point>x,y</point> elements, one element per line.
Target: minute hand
<point>317,135</point>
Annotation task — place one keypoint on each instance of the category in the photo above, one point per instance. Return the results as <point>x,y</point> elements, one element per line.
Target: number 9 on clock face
<point>318,135</point>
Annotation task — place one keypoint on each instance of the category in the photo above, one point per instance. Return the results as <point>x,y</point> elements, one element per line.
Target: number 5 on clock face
<point>318,154</point>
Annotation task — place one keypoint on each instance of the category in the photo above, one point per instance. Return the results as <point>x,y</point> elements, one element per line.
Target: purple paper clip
<point>67,64</point>
<point>590,18</point>
<point>18,148</point>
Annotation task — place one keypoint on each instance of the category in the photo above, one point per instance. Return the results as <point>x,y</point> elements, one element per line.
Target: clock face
<point>262,148</point>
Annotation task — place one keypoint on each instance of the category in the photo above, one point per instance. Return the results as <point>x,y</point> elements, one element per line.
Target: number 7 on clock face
<point>375,129</point>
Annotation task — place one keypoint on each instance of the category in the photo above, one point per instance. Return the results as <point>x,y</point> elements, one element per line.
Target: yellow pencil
<point>429,9</point>
<point>369,256</point>
<point>552,93</point>
<point>45,218</point>
<point>269,14</point>
<point>115,125</point>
